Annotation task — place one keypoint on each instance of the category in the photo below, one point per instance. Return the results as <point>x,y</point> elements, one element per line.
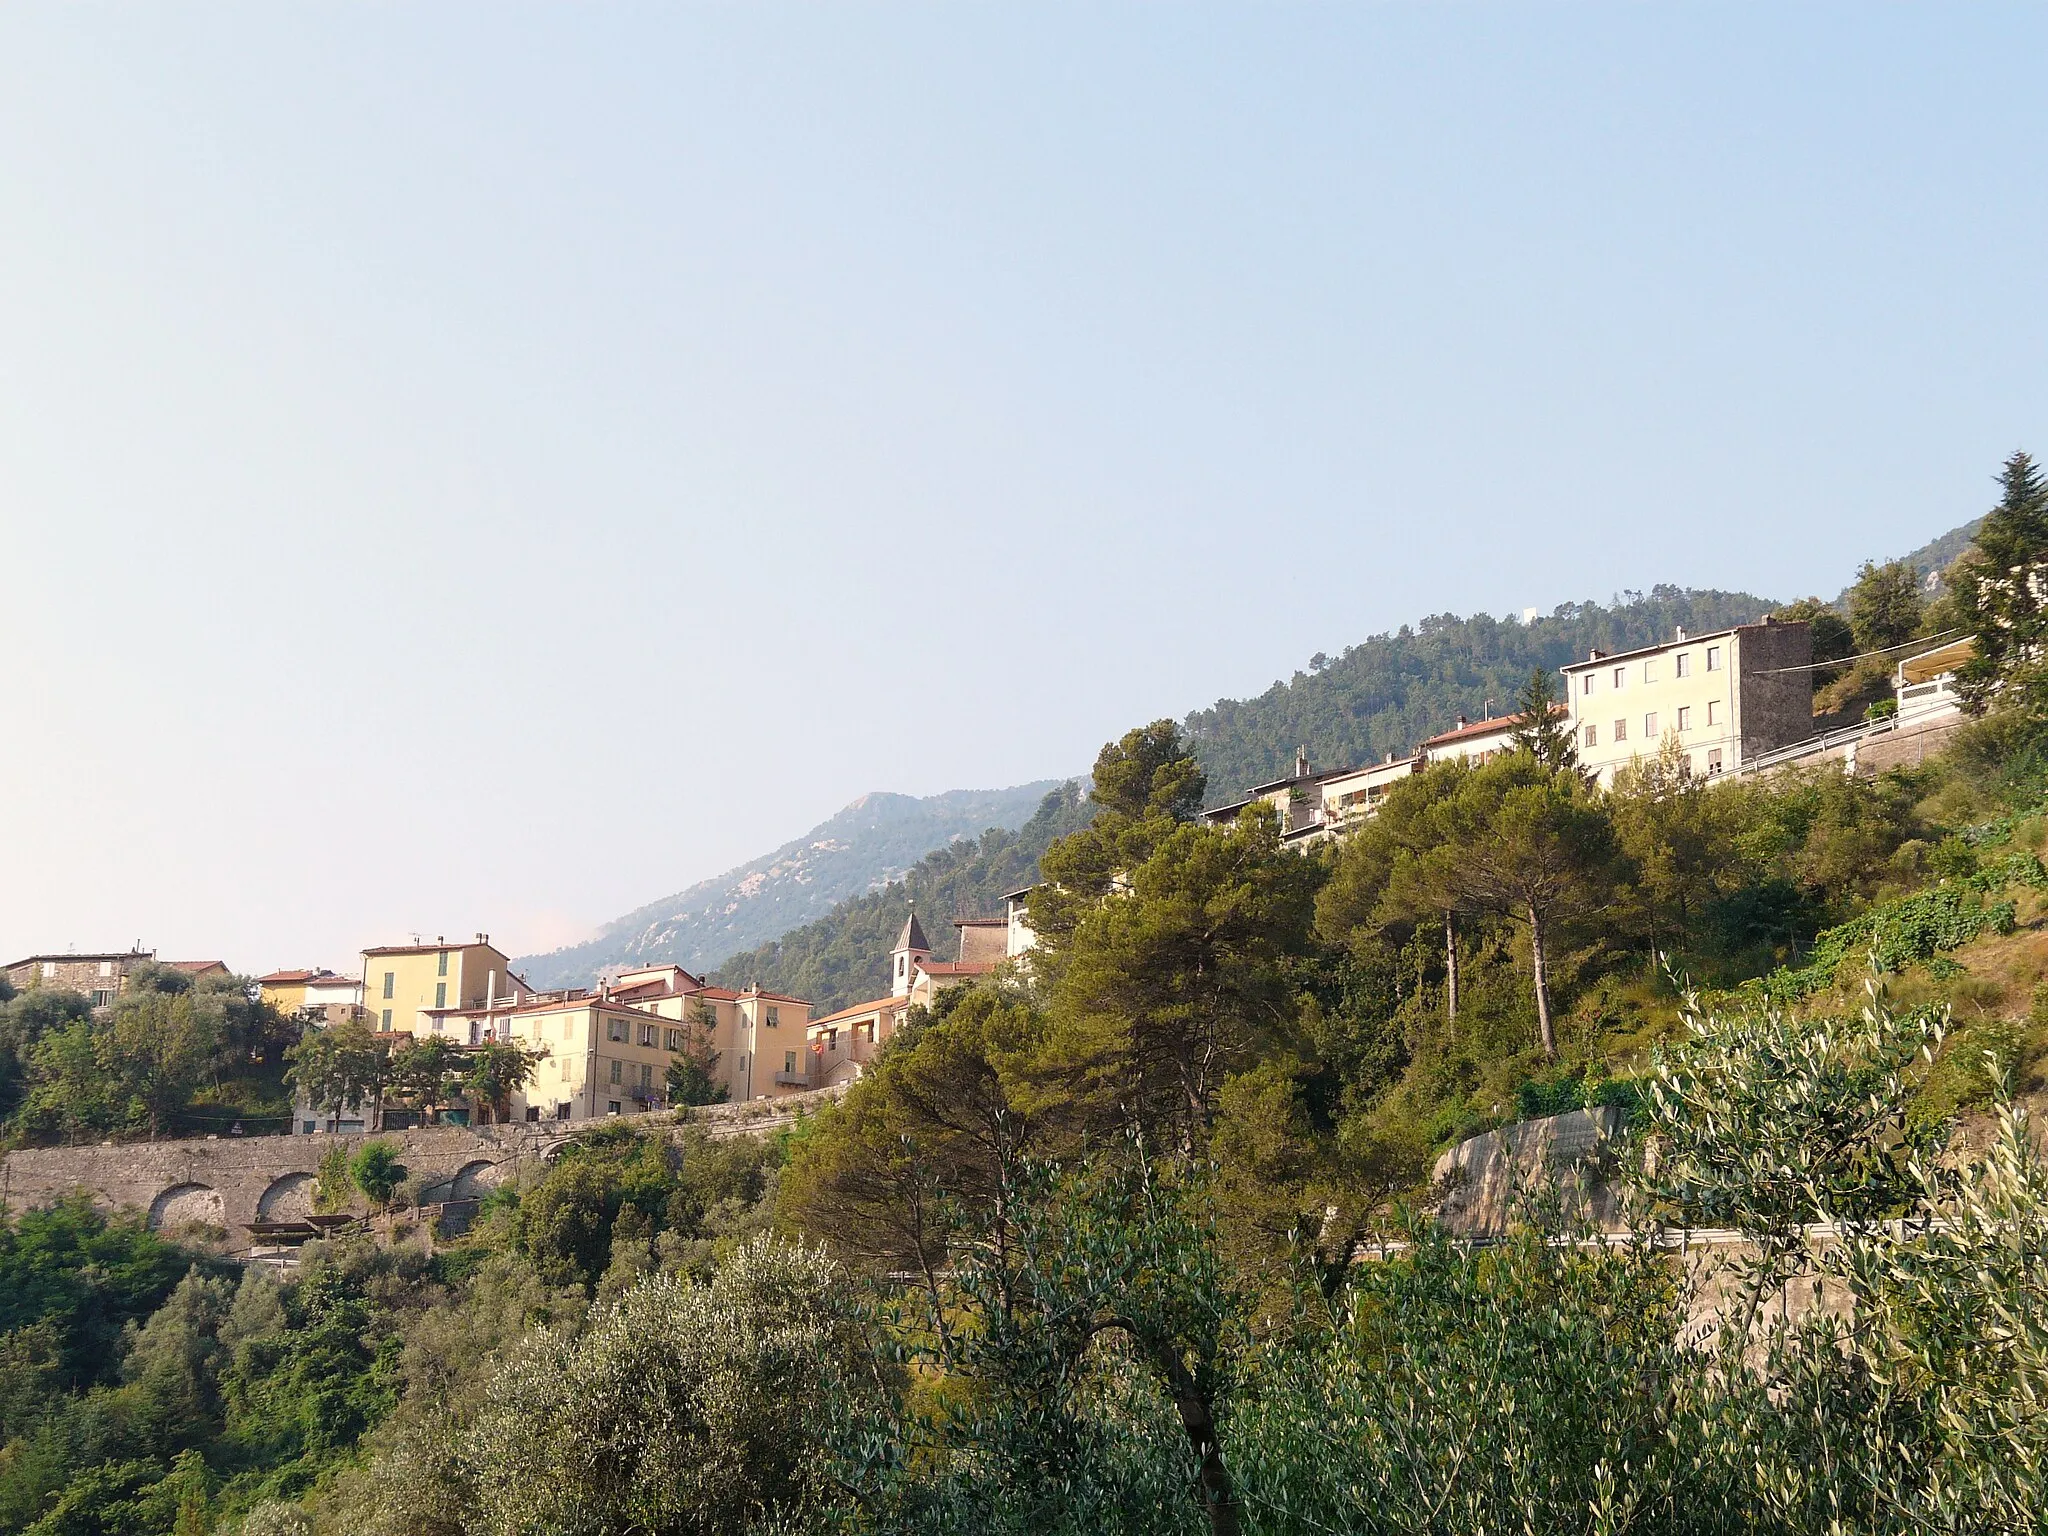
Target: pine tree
<point>1542,726</point>
<point>2001,590</point>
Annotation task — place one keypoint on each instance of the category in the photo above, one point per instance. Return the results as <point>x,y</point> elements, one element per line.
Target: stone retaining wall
<point>230,1181</point>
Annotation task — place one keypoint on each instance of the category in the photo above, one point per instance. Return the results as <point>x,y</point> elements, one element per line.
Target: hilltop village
<point>1732,702</point>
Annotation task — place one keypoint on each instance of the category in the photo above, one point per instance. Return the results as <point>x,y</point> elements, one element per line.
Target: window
<point>1620,677</point>
<point>102,997</point>
<point>309,1125</point>
<point>1592,735</point>
<point>1621,730</point>
<point>1714,760</point>
<point>387,1018</point>
<point>1713,711</point>
<point>618,1072</point>
<point>390,981</point>
<point>476,1027</point>
<point>789,1061</point>
<point>1586,685</point>
<point>1685,717</point>
<point>612,1108</point>
<point>774,1017</point>
<point>615,1029</point>
<point>1713,658</point>
<point>646,1076</point>
<point>106,967</point>
<point>673,1039</point>
<point>1682,665</point>
<point>1650,727</point>
<point>1650,670</point>
<point>440,994</point>
<point>561,1111</point>
<point>533,1111</point>
<point>649,1034</point>
<point>564,1073</point>
<point>442,958</point>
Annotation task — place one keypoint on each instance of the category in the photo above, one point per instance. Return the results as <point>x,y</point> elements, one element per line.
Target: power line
<point>1926,642</point>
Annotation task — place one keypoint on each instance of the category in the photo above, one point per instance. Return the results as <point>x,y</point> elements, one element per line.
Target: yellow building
<point>402,980</point>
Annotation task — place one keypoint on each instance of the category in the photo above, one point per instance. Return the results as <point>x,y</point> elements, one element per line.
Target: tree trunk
<point>1450,968</point>
<point>1213,1481</point>
<point>1542,987</point>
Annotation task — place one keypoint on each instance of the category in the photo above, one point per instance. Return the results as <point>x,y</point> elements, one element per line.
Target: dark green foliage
<point>376,1171</point>
<point>1999,594</point>
<point>1885,605</point>
<point>618,1186</point>
<point>844,958</point>
<point>171,1056</point>
<point>1392,691</point>
<point>86,1275</point>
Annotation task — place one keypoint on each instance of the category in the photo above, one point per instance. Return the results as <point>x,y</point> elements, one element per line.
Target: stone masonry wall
<point>229,1181</point>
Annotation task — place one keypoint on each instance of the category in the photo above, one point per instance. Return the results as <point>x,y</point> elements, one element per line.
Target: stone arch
<point>473,1181</point>
<point>184,1205</point>
<point>289,1198</point>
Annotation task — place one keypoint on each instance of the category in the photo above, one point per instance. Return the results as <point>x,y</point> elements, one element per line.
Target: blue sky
<point>485,466</point>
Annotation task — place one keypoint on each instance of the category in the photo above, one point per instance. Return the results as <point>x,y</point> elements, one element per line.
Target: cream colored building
<point>597,1057</point>
<point>401,981</point>
<point>758,1037</point>
<point>1355,795</point>
<point>1724,698</point>
<point>843,1043</point>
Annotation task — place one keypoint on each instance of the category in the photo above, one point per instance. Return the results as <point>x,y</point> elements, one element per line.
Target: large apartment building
<point>1724,698</point>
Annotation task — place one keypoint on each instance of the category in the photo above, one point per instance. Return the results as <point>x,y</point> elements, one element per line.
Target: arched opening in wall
<point>188,1205</point>
<point>474,1180</point>
<point>289,1198</point>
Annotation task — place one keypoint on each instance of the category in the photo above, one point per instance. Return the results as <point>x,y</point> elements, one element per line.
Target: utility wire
<point>1926,642</point>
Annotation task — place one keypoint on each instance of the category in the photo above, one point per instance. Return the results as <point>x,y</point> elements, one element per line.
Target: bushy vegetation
<point>1139,1239</point>
<point>171,1056</point>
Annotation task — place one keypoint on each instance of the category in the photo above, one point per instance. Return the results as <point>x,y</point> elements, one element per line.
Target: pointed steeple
<point>910,950</point>
<point>913,936</point>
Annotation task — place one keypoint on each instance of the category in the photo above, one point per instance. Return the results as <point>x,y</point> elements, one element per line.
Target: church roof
<point>913,936</point>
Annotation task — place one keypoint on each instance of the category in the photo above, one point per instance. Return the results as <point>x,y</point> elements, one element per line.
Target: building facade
<point>401,981</point>
<point>1723,698</point>
<point>321,995</point>
<point>99,977</point>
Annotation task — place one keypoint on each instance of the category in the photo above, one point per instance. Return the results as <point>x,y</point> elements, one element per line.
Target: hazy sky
<point>484,467</point>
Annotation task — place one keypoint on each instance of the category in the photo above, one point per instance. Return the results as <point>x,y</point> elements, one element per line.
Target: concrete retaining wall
<point>1480,1178</point>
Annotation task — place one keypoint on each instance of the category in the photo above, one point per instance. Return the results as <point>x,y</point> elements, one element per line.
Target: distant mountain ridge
<point>869,844</point>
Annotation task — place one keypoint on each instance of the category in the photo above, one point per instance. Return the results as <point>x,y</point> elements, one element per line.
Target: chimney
<point>1595,655</point>
<point>1463,722</point>
<point>1301,762</point>
<point>1681,632</point>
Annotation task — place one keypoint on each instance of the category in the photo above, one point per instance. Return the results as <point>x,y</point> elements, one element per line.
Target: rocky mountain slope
<point>872,842</point>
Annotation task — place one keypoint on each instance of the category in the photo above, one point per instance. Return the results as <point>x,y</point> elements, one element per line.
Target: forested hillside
<point>843,958</point>
<point>1391,691</point>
